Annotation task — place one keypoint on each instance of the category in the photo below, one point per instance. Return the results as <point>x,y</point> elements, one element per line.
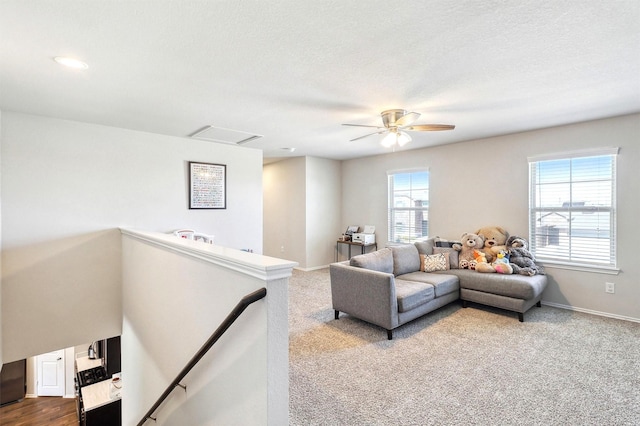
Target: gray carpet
<point>455,366</point>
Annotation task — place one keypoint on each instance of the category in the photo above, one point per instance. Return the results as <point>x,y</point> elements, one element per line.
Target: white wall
<point>1,358</point>
<point>324,189</point>
<point>66,188</point>
<point>285,196</point>
<point>302,210</point>
<point>176,294</point>
<point>485,182</point>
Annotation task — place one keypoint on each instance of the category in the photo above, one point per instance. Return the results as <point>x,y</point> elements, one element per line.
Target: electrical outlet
<point>609,287</point>
<point>281,249</point>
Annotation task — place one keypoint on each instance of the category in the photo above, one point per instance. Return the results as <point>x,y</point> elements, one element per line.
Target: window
<point>408,205</point>
<point>572,209</point>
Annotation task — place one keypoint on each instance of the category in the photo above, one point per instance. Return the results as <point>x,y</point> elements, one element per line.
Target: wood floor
<point>49,411</point>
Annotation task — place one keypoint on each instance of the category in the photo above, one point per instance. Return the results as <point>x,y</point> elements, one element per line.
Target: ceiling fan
<point>396,122</point>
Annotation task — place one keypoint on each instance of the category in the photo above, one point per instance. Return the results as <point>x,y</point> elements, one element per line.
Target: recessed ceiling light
<point>70,62</point>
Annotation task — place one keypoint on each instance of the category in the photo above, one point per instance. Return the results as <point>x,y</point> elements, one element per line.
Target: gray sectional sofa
<point>388,288</point>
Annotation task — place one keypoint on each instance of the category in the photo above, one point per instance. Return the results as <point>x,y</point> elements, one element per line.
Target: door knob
<point>59,358</point>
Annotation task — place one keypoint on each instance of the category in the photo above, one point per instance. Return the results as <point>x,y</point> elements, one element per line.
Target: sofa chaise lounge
<point>387,287</point>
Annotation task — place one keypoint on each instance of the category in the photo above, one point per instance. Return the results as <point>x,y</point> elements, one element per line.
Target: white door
<point>51,374</point>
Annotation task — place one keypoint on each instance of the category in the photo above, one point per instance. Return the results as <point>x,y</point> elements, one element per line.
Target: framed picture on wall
<point>207,186</point>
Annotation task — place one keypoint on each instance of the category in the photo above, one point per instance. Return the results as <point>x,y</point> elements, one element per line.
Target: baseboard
<point>592,312</point>
<point>315,268</point>
<point>33,395</point>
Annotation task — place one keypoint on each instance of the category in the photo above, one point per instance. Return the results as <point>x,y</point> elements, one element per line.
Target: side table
<point>350,244</point>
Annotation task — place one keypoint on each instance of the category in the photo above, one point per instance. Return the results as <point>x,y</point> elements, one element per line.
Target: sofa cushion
<point>411,294</point>
<point>434,262</point>
<point>426,246</point>
<point>453,255</point>
<point>442,283</point>
<point>405,259</point>
<point>516,286</point>
<point>380,260</point>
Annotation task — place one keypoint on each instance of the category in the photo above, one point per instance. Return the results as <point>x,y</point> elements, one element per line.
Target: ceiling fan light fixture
<point>389,140</point>
<point>403,138</point>
<point>395,137</point>
<point>395,122</point>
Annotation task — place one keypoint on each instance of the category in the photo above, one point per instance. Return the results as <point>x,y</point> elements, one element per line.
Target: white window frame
<point>583,256</point>
<point>410,212</point>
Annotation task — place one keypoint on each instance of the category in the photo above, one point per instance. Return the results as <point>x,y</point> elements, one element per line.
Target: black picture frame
<point>207,185</point>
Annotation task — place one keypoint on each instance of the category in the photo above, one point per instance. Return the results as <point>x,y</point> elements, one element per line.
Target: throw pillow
<point>453,255</point>
<point>434,262</point>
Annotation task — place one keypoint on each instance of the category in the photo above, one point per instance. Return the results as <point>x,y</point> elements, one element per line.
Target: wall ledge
<point>256,265</point>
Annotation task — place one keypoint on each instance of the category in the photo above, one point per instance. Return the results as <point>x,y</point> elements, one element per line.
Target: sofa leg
<point>389,334</point>
<point>520,316</point>
<point>539,304</point>
<point>464,304</point>
<point>337,314</point>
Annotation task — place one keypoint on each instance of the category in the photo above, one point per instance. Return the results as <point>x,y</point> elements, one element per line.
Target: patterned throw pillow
<point>453,255</point>
<point>434,262</point>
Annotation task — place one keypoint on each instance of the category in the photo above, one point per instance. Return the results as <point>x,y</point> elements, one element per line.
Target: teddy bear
<point>495,239</point>
<point>520,258</point>
<point>468,243</point>
<point>500,264</point>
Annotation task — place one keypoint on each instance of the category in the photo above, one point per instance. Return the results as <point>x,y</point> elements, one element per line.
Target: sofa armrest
<point>365,294</point>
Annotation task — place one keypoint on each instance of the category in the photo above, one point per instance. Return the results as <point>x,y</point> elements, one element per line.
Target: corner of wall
<point>284,194</point>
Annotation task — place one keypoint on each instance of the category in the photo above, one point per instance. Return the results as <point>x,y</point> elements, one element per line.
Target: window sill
<point>582,268</point>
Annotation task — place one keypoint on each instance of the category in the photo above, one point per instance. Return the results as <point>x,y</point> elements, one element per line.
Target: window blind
<point>572,208</point>
<point>408,204</point>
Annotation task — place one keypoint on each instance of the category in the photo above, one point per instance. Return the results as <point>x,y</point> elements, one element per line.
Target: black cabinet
<point>109,351</point>
<point>100,404</point>
<point>112,355</point>
<point>106,415</point>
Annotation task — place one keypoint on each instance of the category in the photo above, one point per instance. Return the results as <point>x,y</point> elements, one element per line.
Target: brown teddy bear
<point>466,247</point>
<point>495,239</point>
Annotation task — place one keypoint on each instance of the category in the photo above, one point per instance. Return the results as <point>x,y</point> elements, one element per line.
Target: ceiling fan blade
<point>407,119</point>
<point>430,127</point>
<point>363,125</point>
<point>370,134</point>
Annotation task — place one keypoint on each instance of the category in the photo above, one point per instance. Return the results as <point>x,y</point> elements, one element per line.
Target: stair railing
<point>230,319</point>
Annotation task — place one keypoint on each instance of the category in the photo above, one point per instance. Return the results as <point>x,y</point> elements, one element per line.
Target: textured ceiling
<point>293,70</point>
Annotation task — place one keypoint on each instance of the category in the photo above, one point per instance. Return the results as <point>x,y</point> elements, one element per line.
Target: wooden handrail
<point>230,319</point>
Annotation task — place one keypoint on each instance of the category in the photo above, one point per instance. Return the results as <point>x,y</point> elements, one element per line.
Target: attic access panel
<point>220,134</point>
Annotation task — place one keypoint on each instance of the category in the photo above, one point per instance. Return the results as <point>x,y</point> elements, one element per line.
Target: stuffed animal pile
<point>491,249</point>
